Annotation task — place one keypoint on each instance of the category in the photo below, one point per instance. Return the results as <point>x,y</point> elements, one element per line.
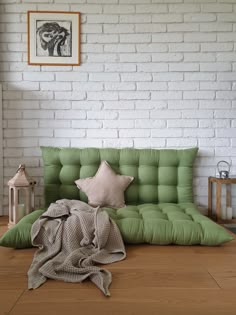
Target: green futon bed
<point>159,201</point>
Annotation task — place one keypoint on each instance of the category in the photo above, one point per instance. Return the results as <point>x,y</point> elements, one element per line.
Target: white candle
<point>229,213</point>
<point>20,211</point>
<point>223,213</point>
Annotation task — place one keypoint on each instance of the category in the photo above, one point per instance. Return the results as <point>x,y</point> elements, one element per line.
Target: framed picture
<point>53,38</point>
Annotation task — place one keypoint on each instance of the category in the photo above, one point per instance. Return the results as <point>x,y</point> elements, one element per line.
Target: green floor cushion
<point>168,223</point>
<point>19,235</point>
<point>160,224</point>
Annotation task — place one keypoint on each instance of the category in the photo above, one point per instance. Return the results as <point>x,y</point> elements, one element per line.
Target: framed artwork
<point>53,38</point>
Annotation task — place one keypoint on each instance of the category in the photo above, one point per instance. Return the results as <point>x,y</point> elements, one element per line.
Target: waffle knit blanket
<point>71,238</point>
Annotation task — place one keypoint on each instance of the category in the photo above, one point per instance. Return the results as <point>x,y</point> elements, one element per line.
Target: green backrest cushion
<point>19,235</point>
<point>159,175</point>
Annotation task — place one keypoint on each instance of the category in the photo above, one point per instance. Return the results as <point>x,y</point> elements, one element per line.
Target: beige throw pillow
<point>106,188</point>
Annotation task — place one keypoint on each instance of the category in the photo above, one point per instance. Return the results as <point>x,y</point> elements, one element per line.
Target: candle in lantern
<point>20,211</point>
<point>229,213</point>
<point>223,213</point>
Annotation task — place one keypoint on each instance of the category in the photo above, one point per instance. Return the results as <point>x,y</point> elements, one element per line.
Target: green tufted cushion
<point>19,235</point>
<point>160,208</point>
<point>159,175</point>
<point>167,223</point>
<point>161,224</point>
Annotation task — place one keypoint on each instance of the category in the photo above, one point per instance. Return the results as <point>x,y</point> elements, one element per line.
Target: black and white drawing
<point>53,38</point>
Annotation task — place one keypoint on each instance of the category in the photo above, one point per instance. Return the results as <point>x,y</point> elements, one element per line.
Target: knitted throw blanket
<point>71,237</point>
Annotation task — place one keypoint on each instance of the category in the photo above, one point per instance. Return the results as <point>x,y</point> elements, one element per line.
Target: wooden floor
<point>160,280</point>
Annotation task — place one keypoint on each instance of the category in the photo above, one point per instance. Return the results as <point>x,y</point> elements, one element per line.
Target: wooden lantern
<point>21,195</point>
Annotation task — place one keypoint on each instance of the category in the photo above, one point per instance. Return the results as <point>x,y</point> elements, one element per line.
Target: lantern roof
<point>21,179</point>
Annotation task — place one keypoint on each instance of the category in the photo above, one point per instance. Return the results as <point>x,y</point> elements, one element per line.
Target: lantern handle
<point>21,167</point>
<point>229,165</point>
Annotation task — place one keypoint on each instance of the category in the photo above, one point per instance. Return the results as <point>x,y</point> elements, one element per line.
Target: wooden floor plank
<point>159,260</point>
<point>13,278</point>
<point>129,302</point>
<point>226,278</point>
<point>109,308</point>
<point>163,278</point>
<point>7,299</point>
<point>12,257</point>
<point>227,249</point>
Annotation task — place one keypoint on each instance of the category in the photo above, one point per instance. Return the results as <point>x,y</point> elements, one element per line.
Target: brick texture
<point>153,74</point>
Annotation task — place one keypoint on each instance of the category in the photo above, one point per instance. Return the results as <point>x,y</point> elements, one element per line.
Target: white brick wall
<point>1,155</point>
<point>153,74</point>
